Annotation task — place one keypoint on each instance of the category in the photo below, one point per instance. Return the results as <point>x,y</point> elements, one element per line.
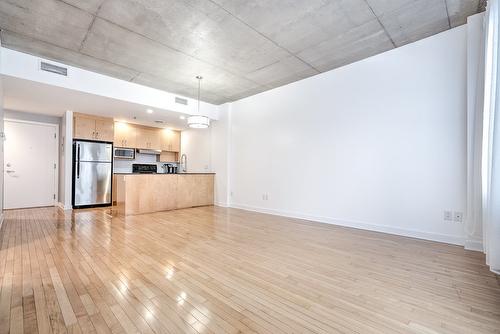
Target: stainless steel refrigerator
<point>92,173</point>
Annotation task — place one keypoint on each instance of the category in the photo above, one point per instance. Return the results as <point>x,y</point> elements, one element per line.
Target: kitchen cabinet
<point>168,156</point>
<point>125,135</point>
<point>144,193</point>
<point>148,138</point>
<point>104,129</point>
<point>170,140</point>
<point>93,128</point>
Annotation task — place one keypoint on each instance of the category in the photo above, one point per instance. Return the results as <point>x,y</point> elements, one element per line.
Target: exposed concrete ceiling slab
<point>298,25</point>
<point>404,27</point>
<point>360,42</point>
<point>241,47</point>
<point>47,20</point>
<point>67,56</point>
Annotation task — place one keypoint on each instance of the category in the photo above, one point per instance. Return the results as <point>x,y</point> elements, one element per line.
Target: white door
<point>31,155</point>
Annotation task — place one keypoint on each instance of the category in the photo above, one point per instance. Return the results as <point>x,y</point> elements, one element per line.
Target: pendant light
<point>198,121</point>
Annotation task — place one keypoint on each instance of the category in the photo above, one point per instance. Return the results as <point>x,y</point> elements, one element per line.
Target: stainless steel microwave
<point>124,153</point>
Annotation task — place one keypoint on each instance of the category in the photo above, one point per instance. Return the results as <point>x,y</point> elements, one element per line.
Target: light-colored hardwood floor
<point>216,270</point>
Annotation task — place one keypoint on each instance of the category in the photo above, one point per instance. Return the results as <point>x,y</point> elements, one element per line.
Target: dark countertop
<point>187,173</point>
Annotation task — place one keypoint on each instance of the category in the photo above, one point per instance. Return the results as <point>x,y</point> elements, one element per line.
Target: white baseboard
<point>221,204</point>
<point>1,220</point>
<point>475,245</point>
<point>62,207</point>
<point>449,239</point>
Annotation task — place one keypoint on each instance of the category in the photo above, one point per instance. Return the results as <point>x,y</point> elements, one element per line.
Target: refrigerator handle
<point>78,162</point>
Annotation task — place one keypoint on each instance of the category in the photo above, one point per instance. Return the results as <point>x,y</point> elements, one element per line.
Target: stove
<point>144,168</point>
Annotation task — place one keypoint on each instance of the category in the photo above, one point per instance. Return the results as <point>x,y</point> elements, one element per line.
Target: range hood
<point>145,151</point>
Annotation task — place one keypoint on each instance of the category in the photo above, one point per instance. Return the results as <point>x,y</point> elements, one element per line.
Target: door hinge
<point>55,166</point>
<point>54,196</point>
<point>55,136</point>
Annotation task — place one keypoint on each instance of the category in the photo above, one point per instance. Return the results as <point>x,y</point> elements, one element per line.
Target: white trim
<point>221,204</point>
<point>474,245</point>
<point>449,239</point>
<point>62,207</point>
<point>1,220</point>
<point>56,147</point>
<point>68,159</point>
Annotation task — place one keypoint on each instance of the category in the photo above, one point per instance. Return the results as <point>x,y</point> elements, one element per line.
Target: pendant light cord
<point>199,88</point>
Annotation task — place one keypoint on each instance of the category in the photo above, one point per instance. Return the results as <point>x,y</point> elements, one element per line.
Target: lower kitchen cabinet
<point>137,194</point>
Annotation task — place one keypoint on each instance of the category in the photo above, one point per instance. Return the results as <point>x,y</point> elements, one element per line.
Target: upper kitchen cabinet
<point>93,128</point>
<point>104,128</point>
<point>170,140</point>
<point>125,135</point>
<point>148,138</point>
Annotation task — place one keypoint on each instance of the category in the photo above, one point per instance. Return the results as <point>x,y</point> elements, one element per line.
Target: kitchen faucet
<point>184,161</point>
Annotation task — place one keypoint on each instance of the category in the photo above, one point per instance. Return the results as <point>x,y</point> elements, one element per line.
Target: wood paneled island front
<point>145,193</point>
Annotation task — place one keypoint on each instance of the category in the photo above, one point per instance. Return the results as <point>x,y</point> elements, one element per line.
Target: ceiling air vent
<point>47,67</point>
<point>180,100</point>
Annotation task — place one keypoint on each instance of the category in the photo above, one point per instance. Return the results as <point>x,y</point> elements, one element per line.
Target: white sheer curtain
<point>490,162</point>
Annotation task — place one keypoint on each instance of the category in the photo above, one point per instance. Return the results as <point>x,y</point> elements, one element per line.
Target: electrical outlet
<point>448,216</point>
<point>265,197</point>
<point>458,216</point>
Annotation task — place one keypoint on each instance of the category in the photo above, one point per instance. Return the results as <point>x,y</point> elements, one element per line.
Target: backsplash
<point>125,166</point>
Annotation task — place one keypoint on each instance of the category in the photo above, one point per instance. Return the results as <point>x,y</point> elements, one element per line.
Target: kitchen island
<point>145,193</point>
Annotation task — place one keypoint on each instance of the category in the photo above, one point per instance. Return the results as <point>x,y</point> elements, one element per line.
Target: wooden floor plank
<point>218,270</point>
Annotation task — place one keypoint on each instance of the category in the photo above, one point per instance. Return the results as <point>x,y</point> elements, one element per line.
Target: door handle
<point>10,171</point>
<point>78,163</point>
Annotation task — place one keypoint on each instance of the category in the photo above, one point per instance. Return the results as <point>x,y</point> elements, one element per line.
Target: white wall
<point>30,117</point>
<point>220,147</point>
<point>196,144</point>
<point>378,144</point>
<point>1,139</point>
<point>66,160</point>
<point>475,86</point>
<point>22,65</point>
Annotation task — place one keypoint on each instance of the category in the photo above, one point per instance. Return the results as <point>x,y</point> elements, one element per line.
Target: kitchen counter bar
<point>145,193</point>
<point>186,173</point>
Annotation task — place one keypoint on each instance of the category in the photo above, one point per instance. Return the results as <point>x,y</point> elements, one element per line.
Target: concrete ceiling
<point>241,47</point>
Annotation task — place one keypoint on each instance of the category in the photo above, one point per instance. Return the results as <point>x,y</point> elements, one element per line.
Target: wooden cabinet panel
<point>93,128</point>
<point>154,198</point>
<point>148,138</point>
<point>168,157</point>
<point>154,139</point>
<point>83,127</point>
<point>104,129</point>
<point>170,140</point>
<point>205,190</point>
<point>136,194</point>
<point>141,139</point>
<point>125,135</point>
<point>195,190</point>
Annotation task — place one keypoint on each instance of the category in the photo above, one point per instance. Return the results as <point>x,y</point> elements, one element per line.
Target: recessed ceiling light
<point>149,111</point>
<point>182,117</point>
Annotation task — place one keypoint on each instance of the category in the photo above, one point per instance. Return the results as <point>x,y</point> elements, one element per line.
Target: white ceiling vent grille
<point>47,67</point>
<point>180,100</point>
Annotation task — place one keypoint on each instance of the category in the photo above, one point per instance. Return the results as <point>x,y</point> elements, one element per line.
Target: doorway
<point>31,164</point>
